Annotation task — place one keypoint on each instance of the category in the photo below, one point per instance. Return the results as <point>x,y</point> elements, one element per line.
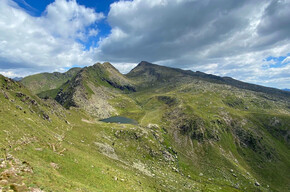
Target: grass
<point>46,81</point>
<point>135,157</point>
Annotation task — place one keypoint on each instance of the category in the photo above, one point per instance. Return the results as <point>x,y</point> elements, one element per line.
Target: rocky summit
<point>192,131</point>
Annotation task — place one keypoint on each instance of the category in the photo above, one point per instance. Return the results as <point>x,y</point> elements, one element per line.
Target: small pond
<point>120,119</point>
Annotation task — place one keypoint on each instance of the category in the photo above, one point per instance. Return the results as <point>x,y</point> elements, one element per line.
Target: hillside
<point>195,132</point>
<point>91,88</point>
<point>47,81</point>
<point>148,74</point>
<point>52,149</point>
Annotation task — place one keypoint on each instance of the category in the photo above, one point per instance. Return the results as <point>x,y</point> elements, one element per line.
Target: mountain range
<point>194,132</point>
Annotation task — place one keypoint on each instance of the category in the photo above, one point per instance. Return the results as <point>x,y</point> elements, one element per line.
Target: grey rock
<point>5,95</point>
<point>18,107</point>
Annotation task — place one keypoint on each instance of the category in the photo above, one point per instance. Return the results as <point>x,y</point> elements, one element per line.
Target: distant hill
<point>286,89</point>
<point>46,81</point>
<point>17,78</point>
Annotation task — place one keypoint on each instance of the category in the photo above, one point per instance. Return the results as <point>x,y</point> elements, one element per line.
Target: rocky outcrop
<point>92,88</point>
<point>192,126</point>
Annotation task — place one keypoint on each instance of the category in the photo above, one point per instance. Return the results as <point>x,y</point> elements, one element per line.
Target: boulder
<point>54,165</point>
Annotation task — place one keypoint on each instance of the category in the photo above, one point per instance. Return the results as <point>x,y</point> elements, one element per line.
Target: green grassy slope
<point>91,89</point>
<point>47,81</point>
<point>193,135</point>
<point>215,129</point>
<point>45,147</point>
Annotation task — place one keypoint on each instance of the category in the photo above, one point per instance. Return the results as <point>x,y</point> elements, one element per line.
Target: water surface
<point>120,119</point>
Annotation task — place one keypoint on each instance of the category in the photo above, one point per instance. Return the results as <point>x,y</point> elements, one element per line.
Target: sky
<point>246,39</point>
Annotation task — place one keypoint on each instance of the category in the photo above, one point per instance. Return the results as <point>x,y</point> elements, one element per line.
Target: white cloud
<point>68,19</point>
<point>8,73</point>
<point>45,43</point>
<point>93,32</point>
<point>226,37</point>
<point>124,67</point>
<point>286,60</point>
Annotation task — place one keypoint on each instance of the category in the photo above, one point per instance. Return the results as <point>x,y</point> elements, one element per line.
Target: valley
<point>192,132</point>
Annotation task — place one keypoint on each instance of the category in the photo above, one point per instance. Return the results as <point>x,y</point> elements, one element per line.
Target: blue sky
<point>277,62</point>
<point>36,8</point>
<point>247,40</point>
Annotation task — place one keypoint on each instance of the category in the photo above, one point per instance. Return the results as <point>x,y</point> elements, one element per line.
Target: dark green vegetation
<point>195,132</point>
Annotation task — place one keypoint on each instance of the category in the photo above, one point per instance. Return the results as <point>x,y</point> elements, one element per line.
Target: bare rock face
<point>107,150</point>
<point>92,88</point>
<point>192,126</point>
<point>97,104</point>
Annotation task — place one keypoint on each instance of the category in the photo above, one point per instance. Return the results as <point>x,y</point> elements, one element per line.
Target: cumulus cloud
<point>169,29</point>
<point>48,43</point>
<point>275,22</point>
<point>67,19</point>
<point>225,37</point>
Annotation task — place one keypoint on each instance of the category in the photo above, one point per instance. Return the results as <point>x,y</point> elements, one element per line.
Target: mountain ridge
<point>192,134</point>
<point>145,67</point>
<point>177,73</point>
<point>90,89</point>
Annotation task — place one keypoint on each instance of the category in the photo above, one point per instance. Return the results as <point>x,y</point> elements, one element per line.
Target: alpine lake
<point>120,119</point>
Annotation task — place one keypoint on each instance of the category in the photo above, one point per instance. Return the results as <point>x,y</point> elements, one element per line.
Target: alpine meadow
<point>209,111</point>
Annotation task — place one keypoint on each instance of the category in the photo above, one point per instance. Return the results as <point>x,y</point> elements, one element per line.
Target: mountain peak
<point>148,74</point>
<point>146,64</point>
<point>143,63</point>
<point>108,64</point>
<point>105,65</point>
